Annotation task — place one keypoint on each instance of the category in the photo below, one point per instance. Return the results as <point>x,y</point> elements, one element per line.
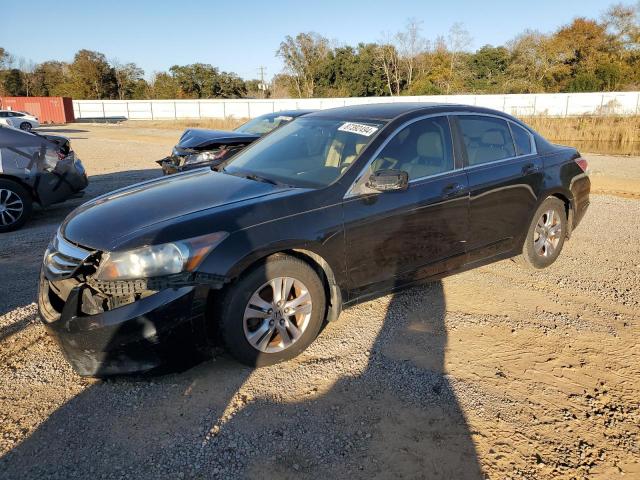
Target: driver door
<point>394,238</point>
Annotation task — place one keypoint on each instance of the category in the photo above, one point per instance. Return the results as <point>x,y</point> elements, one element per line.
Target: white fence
<point>552,104</point>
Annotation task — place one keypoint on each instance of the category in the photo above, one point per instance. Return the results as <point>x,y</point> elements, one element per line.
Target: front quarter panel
<point>317,230</point>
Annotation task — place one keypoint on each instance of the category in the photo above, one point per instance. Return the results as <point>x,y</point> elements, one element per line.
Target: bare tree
<point>410,45</point>
<point>27,67</point>
<point>458,40</point>
<point>388,60</point>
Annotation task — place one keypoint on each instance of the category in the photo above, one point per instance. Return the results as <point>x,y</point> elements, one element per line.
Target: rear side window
<point>522,139</point>
<point>487,139</point>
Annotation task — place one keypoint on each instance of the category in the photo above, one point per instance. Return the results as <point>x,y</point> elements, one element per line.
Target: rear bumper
<point>132,338</point>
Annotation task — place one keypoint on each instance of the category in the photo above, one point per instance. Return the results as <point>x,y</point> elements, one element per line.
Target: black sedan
<point>332,209</point>
<point>200,147</point>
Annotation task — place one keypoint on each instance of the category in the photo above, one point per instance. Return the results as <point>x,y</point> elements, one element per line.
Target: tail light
<point>582,163</point>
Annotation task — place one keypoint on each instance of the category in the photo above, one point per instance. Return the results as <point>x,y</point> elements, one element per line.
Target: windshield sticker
<point>359,128</point>
<point>283,118</point>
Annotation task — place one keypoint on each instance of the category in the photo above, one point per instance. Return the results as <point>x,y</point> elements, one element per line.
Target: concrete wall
<point>553,104</point>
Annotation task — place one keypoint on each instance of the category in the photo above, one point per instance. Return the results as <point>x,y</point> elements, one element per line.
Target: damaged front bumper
<point>120,327</point>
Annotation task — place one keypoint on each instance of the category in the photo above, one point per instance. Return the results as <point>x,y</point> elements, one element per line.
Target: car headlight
<point>158,260</point>
<point>203,157</point>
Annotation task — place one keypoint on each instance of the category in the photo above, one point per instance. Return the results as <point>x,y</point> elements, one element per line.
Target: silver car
<point>35,168</point>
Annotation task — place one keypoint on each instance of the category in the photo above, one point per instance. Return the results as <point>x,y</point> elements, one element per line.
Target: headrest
<point>359,146</point>
<point>492,137</point>
<point>429,145</point>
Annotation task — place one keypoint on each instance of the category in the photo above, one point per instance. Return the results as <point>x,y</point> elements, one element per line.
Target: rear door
<point>505,179</point>
<point>394,238</point>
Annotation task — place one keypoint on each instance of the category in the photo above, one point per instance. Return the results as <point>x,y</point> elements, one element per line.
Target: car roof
<point>389,111</point>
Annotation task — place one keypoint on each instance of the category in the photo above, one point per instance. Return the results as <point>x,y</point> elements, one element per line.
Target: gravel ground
<point>498,372</point>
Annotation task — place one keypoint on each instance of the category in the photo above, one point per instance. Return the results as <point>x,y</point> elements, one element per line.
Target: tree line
<point>586,55</point>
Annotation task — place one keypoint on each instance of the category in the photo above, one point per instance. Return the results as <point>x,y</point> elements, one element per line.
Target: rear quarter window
<point>522,139</point>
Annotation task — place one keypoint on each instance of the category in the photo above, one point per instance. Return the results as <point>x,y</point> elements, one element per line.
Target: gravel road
<point>498,372</point>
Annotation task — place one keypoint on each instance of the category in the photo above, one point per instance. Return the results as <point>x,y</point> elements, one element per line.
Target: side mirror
<point>388,180</point>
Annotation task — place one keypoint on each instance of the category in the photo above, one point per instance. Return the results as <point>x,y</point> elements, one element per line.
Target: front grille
<point>62,259</point>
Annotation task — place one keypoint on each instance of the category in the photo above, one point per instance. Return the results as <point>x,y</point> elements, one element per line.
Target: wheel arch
<point>569,209</point>
<point>23,184</point>
<point>321,266</point>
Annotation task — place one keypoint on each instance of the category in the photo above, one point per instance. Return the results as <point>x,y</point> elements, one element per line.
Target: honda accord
<point>332,209</point>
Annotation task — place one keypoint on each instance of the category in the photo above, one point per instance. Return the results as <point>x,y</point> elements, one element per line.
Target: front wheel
<point>26,126</point>
<point>273,312</point>
<point>546,235</point>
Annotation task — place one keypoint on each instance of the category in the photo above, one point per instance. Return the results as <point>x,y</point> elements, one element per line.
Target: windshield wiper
<point>257,178</point>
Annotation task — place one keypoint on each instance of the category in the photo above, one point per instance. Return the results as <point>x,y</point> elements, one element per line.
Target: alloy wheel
<point>547,233</point>
<point>11,207</point>
<point>277,314</point>
<point>26,126</point>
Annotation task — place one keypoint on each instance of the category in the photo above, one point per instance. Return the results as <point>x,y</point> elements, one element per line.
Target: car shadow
<point>397,416</point>
<point>59,130</point>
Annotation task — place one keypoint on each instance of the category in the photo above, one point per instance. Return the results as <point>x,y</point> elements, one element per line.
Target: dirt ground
<point>496,373</point>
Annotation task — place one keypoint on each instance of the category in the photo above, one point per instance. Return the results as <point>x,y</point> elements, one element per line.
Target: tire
<point>546,235</point>
<point>26,126</point>
<point>237,325</point>
<point>16,205</point>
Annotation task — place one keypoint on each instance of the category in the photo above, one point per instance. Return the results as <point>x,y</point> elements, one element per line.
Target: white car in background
<point>22,120</point>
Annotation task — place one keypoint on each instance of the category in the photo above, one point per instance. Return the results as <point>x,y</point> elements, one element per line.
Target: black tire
<point>15,189</point>
<point>26,126</point>
<point>233,303</point>
<point>541,257</point>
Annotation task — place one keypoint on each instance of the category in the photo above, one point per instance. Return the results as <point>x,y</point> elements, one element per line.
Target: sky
<point>242,36</point>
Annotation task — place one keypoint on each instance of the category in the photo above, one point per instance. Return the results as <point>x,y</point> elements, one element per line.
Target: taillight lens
<point>582,163</point>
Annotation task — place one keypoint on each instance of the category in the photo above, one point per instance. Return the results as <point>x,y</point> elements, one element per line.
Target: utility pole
<point>262,86</point>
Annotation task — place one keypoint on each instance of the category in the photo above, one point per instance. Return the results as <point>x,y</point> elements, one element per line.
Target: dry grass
<point>607,135</point>
<point>212,123</point>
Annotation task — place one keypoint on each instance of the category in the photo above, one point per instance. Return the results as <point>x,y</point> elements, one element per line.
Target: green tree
<point>164,86</point>
<point>488,67</point>
<point>13,83</point>
<point>51,79</point>
<point>91,76</point>
<point>128,77</point>
<point>304,58</point>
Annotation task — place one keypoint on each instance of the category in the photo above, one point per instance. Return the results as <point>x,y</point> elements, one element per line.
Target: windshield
<point>264,124</point>
<point>309,152</point>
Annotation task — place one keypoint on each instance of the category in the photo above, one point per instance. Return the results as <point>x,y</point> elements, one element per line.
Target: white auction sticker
<point>359,128</point>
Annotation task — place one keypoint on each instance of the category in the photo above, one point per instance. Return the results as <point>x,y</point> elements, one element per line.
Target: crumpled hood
<point>198,138</point>
<point>105,221</point>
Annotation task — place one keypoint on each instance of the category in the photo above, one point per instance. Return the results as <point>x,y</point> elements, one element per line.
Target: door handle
<point>530,168</point>
<point>452,189</point>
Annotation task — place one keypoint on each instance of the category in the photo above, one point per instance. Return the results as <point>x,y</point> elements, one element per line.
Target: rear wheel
<point>26,126</point>
<point>546,235</point>
<point>15,205</point>
<point>273,312</point>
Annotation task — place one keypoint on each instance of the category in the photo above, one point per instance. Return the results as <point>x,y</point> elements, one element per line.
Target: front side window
<point>487,139</point>
<point>421,149</point>
<point>308,152</point>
